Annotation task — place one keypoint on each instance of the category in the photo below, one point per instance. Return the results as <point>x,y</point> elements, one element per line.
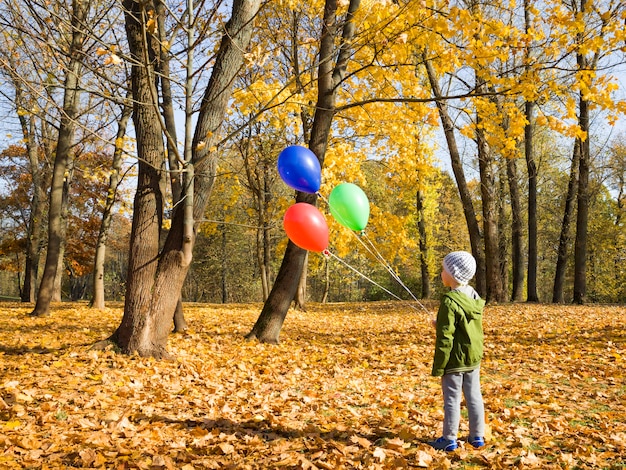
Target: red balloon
<point>306,227</point>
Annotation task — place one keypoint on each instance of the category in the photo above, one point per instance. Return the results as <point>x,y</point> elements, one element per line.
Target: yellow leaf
<point>14,424</point>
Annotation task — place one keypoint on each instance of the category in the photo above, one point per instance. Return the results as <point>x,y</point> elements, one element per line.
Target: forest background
<point>509,106</point>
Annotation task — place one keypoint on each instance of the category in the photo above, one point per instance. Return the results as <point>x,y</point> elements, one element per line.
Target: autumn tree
<point>28,94</point>
<point>114,180</point>
<point>155,272</point>
<point>330,73</point>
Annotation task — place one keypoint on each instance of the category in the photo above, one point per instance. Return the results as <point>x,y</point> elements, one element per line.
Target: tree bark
<point>326,291</point>
<point>517,245</point>
<point>495,290</point>
<point>423,244</point>
<point>503,243</point>
<point>33,234</point>
<point>98,299</point>
<point>564,238</point>
<point>531,286</point>
<point>582,211</point>
<point>175,163</point>
<point>136,332</point>
<point>63,160</point>
<point>301,294</point>
<point>459,175</point>
<point>268,325</point>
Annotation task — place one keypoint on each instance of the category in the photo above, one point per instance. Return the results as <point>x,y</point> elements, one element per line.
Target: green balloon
<point>349,206</point>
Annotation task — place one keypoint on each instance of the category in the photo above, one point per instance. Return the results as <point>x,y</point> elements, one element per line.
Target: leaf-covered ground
<point>347,388</point>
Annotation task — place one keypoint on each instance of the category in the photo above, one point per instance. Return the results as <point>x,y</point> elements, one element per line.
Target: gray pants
<point>453,385</point>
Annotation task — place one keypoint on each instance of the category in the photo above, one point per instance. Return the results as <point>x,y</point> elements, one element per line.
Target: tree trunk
<point>33,235</point>
<point>582,211</point>
<point>300,299</point>
<point>495,291</point>
<point>324,298</point>
<point>268,325</point>
<point>175,162</point>
<point>558,295</point>
<point>34,232</point>
<point>136,332</point>
<point>180,324</point>
<point>503,244</point>
<point>224,267</point>
<point>63,160</point>
<point>58,278</point>
<point>459,175</point>
<point>97,300</point>
<point>531,287</point>
<point>423,244</point>
<point>517,244</point>
<point>150,305</point>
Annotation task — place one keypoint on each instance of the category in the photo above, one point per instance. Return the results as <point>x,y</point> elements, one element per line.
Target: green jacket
<point>459,344</point>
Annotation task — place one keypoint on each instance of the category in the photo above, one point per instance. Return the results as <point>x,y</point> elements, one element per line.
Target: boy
<point>459,350</point>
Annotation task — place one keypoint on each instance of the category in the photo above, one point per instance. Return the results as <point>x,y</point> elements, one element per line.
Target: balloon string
<point>376,254</point>
<point>327,253</point>
<point>389,268</point>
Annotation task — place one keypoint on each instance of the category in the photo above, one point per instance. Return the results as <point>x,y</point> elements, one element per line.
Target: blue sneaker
<point>477,442</point>
<point>444,444</point>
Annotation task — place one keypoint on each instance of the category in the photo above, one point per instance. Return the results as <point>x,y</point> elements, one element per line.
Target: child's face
<point>447,279</point>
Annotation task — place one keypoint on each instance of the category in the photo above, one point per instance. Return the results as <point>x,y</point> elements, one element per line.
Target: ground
<point>348,387</point>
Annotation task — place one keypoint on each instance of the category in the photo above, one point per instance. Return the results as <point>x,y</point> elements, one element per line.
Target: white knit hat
<point>461,265</point>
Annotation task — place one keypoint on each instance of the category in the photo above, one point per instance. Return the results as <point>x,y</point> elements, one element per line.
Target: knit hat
<point>461,265</point>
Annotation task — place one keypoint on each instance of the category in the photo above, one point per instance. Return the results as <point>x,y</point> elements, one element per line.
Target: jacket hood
<point>469,301</point>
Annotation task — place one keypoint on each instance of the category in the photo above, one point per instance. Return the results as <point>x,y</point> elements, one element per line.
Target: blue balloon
<point>300,169</point>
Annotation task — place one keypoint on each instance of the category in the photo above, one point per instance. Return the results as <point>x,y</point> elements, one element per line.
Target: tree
<point>564,238</point>
<point>475,234</point>
<point>97,300</point>
<point>150,305</point>
<point>63,160</point>
<point>529,107</point>
<point>330,74</point>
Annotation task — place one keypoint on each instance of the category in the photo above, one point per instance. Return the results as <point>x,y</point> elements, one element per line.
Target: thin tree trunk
<point>517,245</point>
<point>531,286</point>
<point>324,298</point>
<point>423,244</point>
<point>107,214</point>
<point>300,299</point>
<point>495,291</point>
<point>33,234</point>
<point>459,175</point>
<point>582,211</point>
<point>503,244</point>
<point>63,160</point>
<point>175,163</point>
<point>224,270</point>
<point>558,295</point>
<point>268,325</point>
